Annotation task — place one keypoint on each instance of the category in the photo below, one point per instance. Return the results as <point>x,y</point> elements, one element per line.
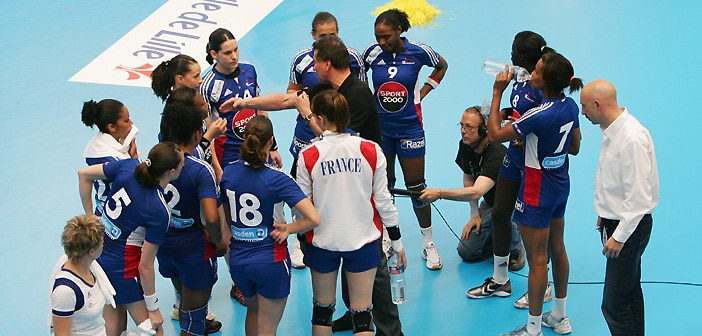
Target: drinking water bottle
<point>494,67</point>
<point>397,280</point>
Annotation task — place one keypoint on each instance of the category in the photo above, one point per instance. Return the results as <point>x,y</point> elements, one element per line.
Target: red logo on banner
<point>136,73</point>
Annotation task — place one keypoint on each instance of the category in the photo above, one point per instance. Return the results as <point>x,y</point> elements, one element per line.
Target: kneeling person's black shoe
<point>343,323</point>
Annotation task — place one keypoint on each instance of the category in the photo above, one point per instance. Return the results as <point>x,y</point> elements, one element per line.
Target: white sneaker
<point>523,302</point>
<point>561,327</point>
<point>296,254</point>
<point>521,331</point>
<point>431,255</point>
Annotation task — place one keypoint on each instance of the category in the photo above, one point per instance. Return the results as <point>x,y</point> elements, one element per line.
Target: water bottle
<point>397,280</point>
<point>494,67</point>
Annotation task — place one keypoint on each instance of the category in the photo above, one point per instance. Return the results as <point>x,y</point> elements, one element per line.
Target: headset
<point>482,128</point>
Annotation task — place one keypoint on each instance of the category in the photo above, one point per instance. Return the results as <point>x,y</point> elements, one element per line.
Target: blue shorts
<point>407,143</point>
<point>325,261</point>
<point>197,275</point>
<point>537,217</point>
<point>272,281</point>
<point>128,290</point>
<point>511,168</point>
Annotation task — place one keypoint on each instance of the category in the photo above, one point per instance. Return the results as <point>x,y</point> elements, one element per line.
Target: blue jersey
<point>396,83</point>
<point>547,131</point>
<point>102,187</point>
<point>302,72</point>
<point>133,213</point>
<point>218,88</point>
<point>196,182</point>
<point>523,98</point>
<point>252,194</point>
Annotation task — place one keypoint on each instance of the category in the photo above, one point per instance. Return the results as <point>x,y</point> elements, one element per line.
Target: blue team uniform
<point>523,98</point>
<point>302,72</point>
<point>547,131</point>
<point>218,88</point>
<point>396,89</point>
<point>133,213</point>
<point>252,194</point>
<point>102,187</point>
<point>186,253</point>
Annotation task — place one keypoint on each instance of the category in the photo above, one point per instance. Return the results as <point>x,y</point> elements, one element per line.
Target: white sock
<point>534,325</point>
<point>559,309</point>
<point>426,235</point>
<point>499,271</point>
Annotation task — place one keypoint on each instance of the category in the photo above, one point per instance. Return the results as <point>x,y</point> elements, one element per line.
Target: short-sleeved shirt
<point>396,83</point>
<point>522,98</point>
<point>547,131</point>
<point>196,182</point>
<point>133,213</point>
<point>485,164</point>
<point>217,88</point>
<point>253,195</point>
<point>83,303</point>
<point>302,72</point>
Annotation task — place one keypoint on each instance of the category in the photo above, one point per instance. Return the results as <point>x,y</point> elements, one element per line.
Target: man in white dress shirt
<point>626,193</point>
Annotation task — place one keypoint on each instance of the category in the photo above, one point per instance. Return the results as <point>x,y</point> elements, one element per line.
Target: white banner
<point>177,27</point>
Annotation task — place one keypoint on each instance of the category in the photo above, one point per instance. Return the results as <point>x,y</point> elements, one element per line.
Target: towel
<point>102,145</point>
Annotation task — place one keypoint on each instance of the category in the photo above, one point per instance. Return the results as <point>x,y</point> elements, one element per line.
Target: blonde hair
<point>81,234</point>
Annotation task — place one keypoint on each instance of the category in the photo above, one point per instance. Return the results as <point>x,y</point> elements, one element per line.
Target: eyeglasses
<point>466,126</point>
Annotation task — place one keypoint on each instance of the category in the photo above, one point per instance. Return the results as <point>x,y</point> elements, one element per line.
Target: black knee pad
<point>322,314</point>
<point>417,186</point>
<point>362,320</point>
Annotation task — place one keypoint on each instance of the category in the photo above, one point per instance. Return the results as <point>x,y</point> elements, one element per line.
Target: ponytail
<point>162,158</point>
<point>558,73</point>
<point>217,37</point>
<point>333,106</point>
<point>101,114</point>
<point>163,77</point>
<point>256,134</point>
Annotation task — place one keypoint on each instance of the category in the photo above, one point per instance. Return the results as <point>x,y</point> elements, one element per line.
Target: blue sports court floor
<point>648,49</point>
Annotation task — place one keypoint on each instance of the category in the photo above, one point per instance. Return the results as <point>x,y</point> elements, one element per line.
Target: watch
<point>306,119</point>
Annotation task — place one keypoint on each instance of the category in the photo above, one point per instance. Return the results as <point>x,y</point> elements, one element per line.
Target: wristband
<point>151,302</point>
<point>397,245</point>
<point>432,82</point>
<point>274,147</point>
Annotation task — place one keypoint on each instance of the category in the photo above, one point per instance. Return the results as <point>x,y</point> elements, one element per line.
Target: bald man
<point>626,193</point>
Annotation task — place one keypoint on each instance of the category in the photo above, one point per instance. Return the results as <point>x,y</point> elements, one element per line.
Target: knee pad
<point>193,321</point>
<point>417,186</point>
<point>322,314</point>
<point>362,320</point>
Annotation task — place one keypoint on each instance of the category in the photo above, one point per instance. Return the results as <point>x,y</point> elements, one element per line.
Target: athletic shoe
<point>343,323</point>
<point>523,302</point>
<point>521,331</point>
<point>212,326</point>
<point>490,288</point>
<point>235,293</point>
<point>516,260</point>
<point>561,327</point>
<point>175,314</point>
<point>296,254</point>
<point>431,255</point>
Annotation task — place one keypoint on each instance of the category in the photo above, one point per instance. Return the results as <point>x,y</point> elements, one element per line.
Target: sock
<point>426,235</point>
<point>499,272</point>
<point>534,325</point>
<point>559,309</point>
